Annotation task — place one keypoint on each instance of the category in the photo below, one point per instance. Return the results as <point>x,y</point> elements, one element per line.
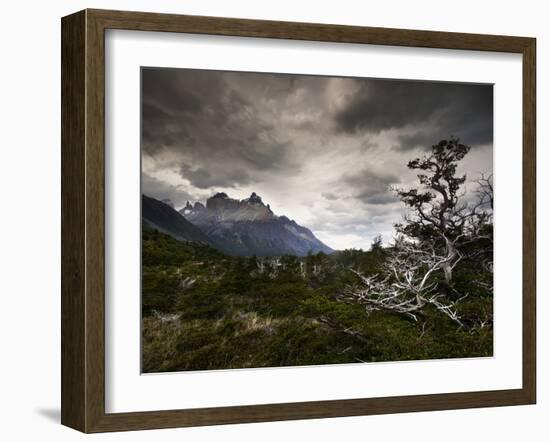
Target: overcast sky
<point>323,151</point>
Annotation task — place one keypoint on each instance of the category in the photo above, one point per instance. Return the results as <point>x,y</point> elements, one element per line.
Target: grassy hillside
<point>203,310</point>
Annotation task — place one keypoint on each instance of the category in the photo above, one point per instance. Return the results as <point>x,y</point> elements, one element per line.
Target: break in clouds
<point>323,151</point>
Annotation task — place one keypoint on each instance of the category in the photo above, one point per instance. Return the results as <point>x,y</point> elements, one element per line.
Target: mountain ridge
<point>249,227</point>
<point>159,215</point>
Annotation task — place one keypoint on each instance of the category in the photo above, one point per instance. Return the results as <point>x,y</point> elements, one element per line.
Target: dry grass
<point>163,334</point>
<point>252,321</point>
<point>159,341</point>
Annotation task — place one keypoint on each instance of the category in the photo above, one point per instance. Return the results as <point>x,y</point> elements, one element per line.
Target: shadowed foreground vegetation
<point>203,310</point>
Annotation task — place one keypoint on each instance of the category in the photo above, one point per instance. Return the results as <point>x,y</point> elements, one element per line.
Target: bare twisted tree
<point>406,285</point>
<point>437,212</point>
<point>433,240</point>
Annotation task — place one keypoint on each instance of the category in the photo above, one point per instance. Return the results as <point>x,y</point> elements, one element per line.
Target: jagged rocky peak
<point>254,199</point>
<point>237,227</point>
<point>222,207</point>
<point>187,209</point>
<point>220,195</point>
<point>168,202</point>
<point>221,201</point>
<point>158,215</point>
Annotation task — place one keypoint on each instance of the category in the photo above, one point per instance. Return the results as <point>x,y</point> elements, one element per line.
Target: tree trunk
<point>448,272</point>
<point>447,266</point>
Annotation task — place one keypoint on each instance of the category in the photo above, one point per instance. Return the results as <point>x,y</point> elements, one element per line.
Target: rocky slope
<point>161,216</point>
<point>249,227</point>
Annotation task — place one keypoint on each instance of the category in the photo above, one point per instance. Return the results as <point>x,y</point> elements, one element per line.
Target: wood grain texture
<point>73,256</point>
<point>144,21</point>
<point>529,221</point>
<point>83,219</point>
<point>95,222</point>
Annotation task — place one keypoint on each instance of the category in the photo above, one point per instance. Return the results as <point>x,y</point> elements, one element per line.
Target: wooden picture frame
<point>83,220</point>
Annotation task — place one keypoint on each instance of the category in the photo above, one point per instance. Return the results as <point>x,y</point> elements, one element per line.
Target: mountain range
<point>236,227</point>
<point>159,215</point>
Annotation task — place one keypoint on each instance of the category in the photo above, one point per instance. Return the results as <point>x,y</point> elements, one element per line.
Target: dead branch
<point>407,285</point>
<point>342,329</point>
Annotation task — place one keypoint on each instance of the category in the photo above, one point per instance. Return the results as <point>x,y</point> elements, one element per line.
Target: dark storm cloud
<point>440,109</point>
<point>204,179</point>
<point>320,150</point>
<point>162,128</point>
<point>202,117</point>
<point>163,86</point>
<point>160,190</point>
<point>166,104</point>
<point>329,196</point>
<point>372,187</point>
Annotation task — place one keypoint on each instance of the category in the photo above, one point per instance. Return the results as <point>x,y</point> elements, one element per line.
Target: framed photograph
<point>267,221</point>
